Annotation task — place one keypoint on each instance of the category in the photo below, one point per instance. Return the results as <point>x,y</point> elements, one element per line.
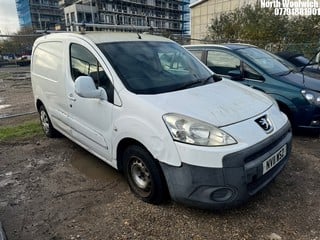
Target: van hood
<point>302,80</point>
<point>221,103</point>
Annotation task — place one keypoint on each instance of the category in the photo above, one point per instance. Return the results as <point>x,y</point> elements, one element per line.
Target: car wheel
<point>144,175</point>
<point>46,123</point>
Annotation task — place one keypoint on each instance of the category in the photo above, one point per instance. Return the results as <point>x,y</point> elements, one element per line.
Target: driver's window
<point>84,63</point>
<point>222,62</point>
<point>250,73</point>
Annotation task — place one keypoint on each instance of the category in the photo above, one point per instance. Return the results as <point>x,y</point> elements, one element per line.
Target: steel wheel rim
<point>140,176</point>
<point>44,121</point>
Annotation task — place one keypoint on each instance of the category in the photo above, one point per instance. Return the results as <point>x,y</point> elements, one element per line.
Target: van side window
<point>84,63</point>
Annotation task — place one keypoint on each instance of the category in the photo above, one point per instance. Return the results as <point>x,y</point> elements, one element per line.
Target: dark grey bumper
<point>240,177</point>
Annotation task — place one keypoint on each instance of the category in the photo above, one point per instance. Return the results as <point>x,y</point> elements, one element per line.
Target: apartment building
<point>171,16</point>
<point>80,13</point>
<point>39,14</point>
<point>203,11</point>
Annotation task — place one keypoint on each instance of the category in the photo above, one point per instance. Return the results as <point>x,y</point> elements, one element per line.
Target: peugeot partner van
<point>152,110</point>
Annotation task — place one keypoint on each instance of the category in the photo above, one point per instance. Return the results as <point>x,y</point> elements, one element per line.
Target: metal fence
<point>15,91</point>
<point>15,83</point>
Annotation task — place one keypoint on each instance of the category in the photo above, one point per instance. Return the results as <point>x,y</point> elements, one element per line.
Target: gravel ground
<point>53,189</point>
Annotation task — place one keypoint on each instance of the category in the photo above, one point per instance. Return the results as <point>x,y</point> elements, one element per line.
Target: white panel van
<point>147,107</point>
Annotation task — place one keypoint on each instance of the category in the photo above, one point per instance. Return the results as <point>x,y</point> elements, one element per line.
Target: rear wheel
<point>46,124</point>
<point>144,175</point>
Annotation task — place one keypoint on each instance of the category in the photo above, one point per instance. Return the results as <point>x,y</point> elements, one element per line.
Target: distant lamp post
<point>92,15</point>
<point>39,19</point>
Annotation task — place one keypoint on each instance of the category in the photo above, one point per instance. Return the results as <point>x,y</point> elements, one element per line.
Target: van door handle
<point>71,97</point>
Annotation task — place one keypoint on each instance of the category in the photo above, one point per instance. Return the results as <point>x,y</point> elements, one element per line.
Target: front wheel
<point>144,175</point>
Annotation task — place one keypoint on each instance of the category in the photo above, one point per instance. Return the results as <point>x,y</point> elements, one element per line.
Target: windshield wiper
<point>189,84</point>
<point>215,78</point>
<point>311,59</point>
<point>286,73</point>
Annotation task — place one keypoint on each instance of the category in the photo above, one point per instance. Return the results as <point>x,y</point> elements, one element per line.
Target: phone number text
<point>296,11</point>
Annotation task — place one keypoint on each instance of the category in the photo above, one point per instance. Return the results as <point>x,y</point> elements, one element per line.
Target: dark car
<point>24,60</point>
<point>297,95</point>
<point>305,65</point>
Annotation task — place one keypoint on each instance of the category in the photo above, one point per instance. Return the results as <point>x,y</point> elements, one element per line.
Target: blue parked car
<point>297,94</point>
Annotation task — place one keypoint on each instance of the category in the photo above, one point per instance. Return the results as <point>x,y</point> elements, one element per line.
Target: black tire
<point>46,124</point>
<point>144,175</point>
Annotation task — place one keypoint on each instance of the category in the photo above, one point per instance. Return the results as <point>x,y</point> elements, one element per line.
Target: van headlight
<point>188,130</point>
<point>311,96</point>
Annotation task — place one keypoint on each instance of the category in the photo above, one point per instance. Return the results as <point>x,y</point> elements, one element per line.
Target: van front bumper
<point>240,177</point>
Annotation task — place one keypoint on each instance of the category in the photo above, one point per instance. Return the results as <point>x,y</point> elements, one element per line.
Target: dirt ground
<point>53,189</point>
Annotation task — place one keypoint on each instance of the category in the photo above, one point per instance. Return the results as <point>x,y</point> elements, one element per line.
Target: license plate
<point>274,159</point>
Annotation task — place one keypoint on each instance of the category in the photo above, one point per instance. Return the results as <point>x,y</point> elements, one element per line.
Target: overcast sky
<point>9,22</point>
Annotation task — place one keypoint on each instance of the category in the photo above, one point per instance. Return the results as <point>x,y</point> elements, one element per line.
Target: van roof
<point>102,37</point>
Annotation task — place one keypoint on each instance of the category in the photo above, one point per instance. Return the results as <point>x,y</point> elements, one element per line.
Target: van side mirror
<point>235,74</point>
<point>85,87</point>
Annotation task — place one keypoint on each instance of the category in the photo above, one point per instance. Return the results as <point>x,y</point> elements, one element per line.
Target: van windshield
<point>154,67</point>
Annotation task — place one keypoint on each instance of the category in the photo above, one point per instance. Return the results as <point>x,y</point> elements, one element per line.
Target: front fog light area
<point>192,131</point>
<point>222,194</point>
<point>216,194</point>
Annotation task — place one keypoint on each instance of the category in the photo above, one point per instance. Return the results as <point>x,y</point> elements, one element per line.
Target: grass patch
<point>22,131</point>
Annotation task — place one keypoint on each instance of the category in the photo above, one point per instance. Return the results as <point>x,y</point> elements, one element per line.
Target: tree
<point>261,26</point>
<point>227,26</point>
<point>303,34</point>
<point>19,43</point>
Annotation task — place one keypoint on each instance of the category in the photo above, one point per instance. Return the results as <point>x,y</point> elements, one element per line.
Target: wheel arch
<point>39,103</point>
<point>123,144</point>
<point>286,106</point>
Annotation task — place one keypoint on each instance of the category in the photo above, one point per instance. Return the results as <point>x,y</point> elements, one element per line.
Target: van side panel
<point>47,74</point>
